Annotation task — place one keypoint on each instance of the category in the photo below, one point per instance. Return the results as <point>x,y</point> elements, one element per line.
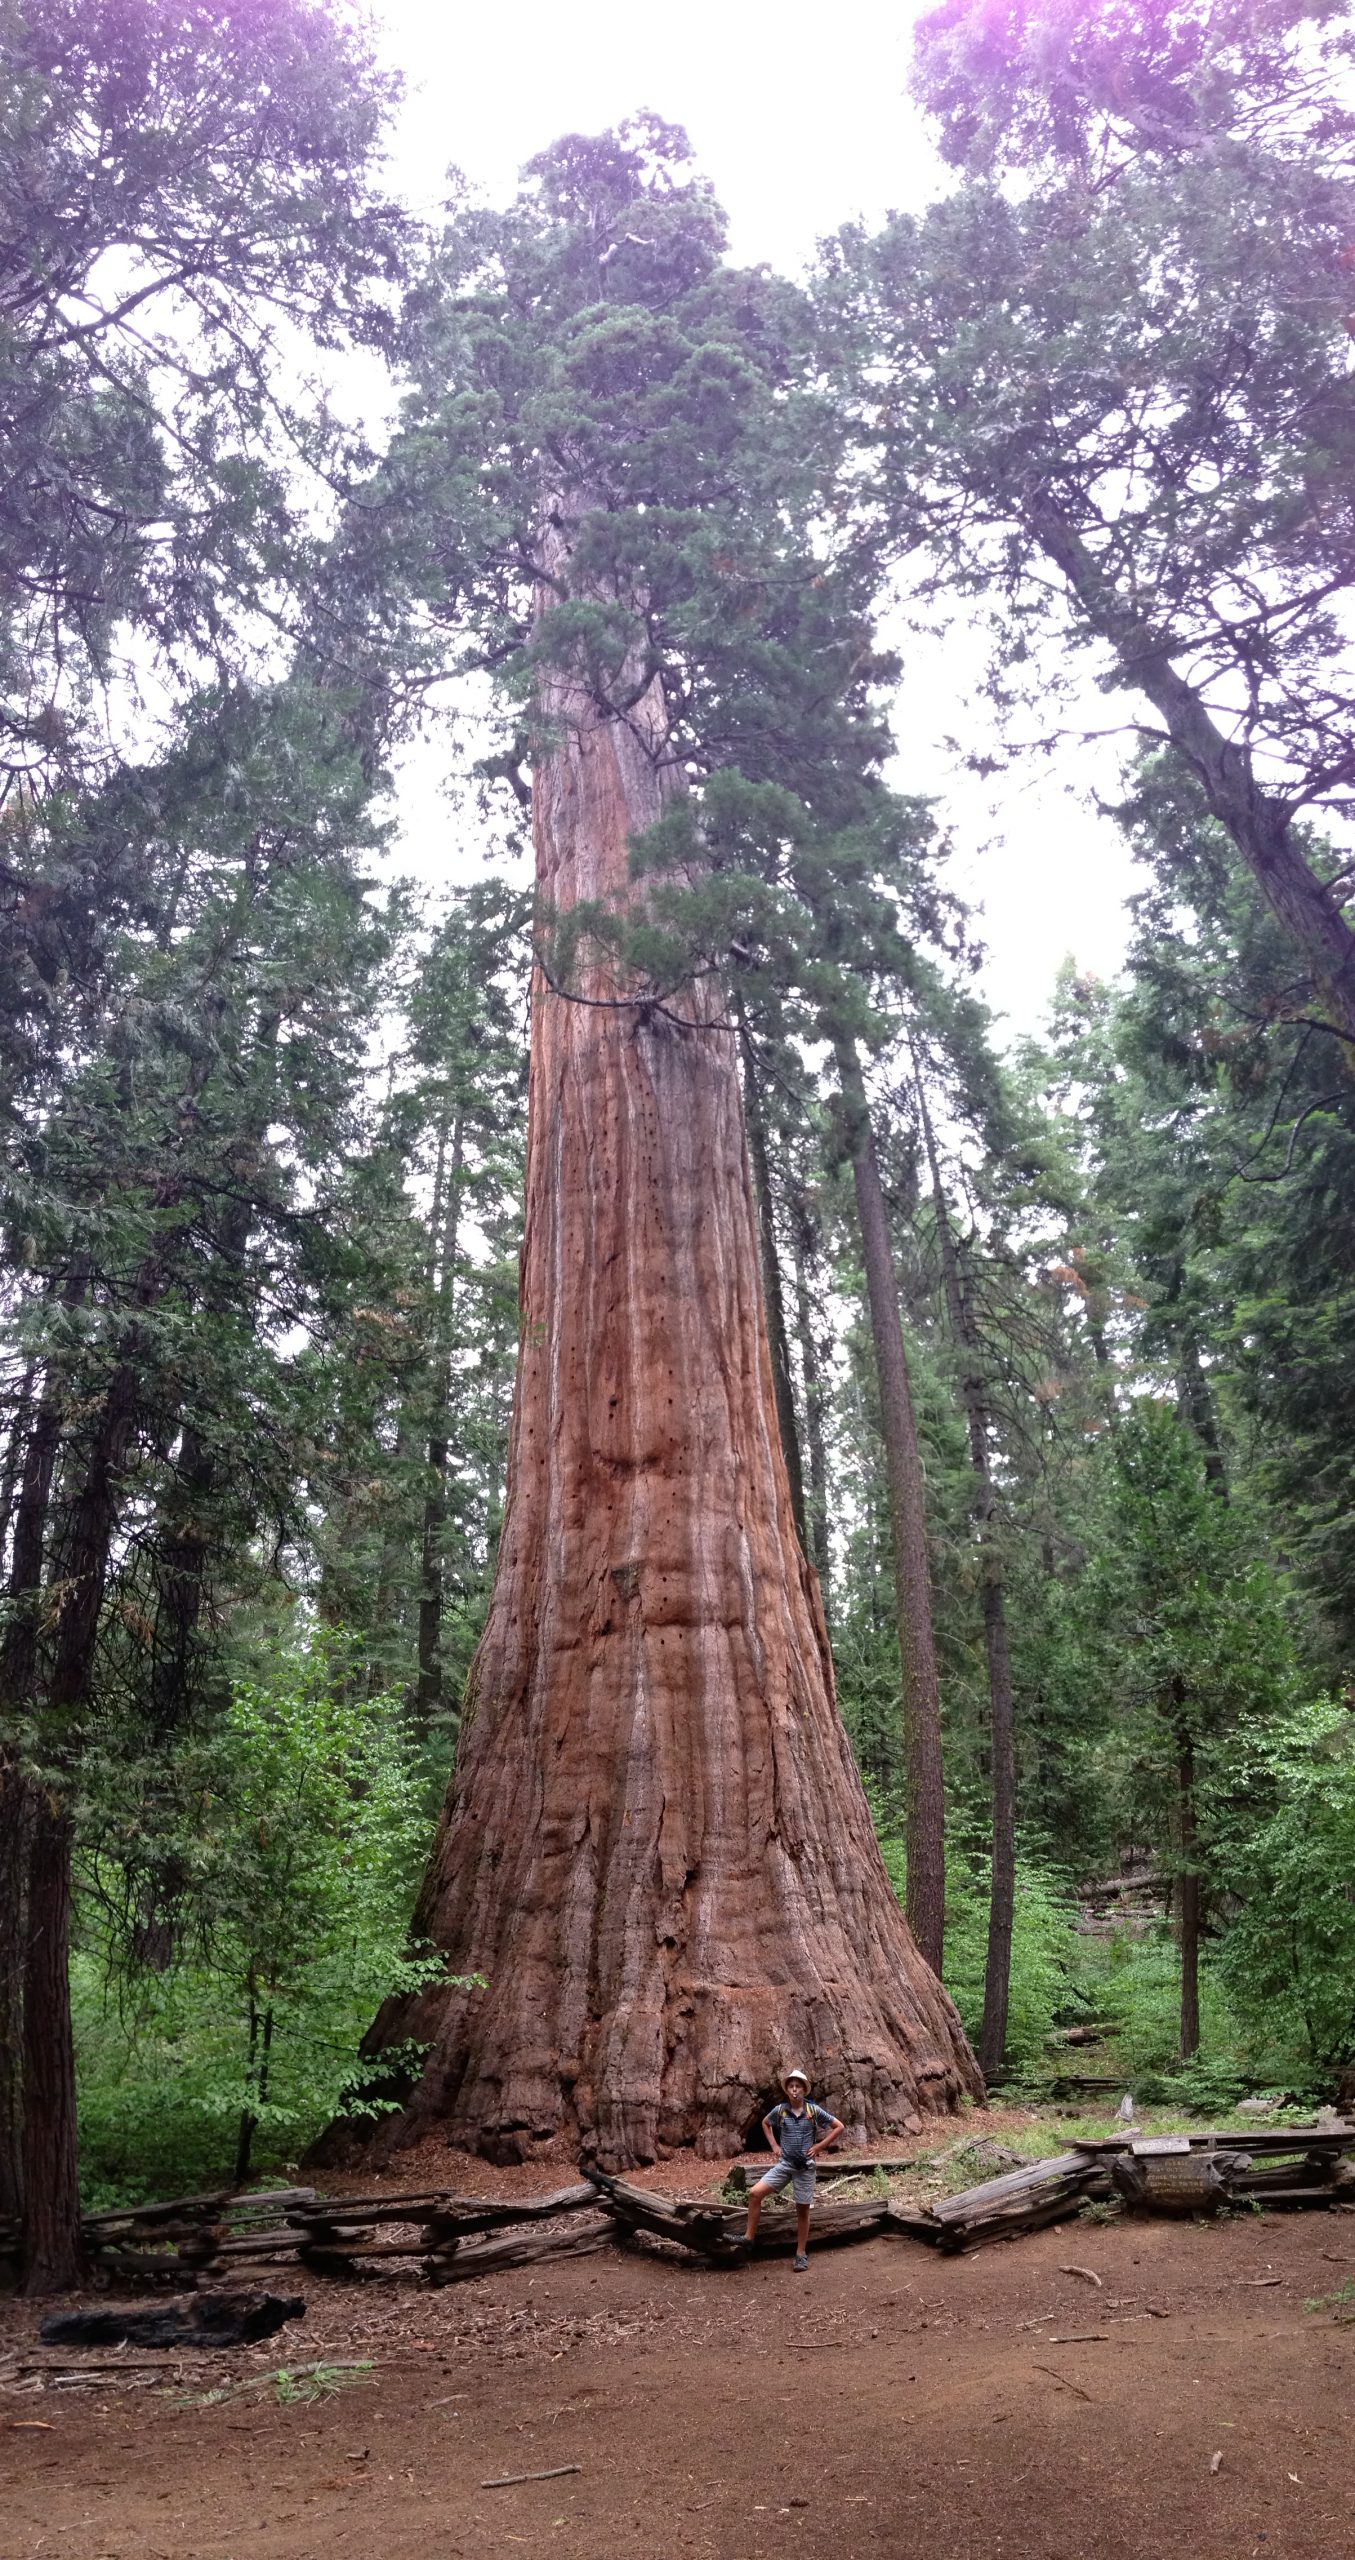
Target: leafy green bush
<point>300,1824</point>
<point>1136,1981</point>
<point>1289,1956</point>
<point>1046,1950</point>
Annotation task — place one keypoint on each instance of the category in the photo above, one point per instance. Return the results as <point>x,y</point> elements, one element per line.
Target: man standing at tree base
<point>797,2131</point>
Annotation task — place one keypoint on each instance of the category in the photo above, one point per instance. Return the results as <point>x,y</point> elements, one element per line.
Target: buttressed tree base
<point>656,1849</point>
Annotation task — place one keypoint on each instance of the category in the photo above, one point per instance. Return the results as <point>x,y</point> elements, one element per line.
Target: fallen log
<point>1020,2200</point>
<point>1278,2138</point>
<point>222,2203</point>
<point>143,2267</point>
<point>832,2225</point>
<point>908,2222</point>
<point>585,2233</point>
<point>703,2228</point>
<point>832,2164</point>
<point>461,2214</point>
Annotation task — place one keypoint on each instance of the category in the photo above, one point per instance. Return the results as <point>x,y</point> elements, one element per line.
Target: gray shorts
<point>798,2175</point>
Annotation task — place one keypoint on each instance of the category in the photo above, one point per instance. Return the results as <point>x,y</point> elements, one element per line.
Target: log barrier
<point>190,2241</point>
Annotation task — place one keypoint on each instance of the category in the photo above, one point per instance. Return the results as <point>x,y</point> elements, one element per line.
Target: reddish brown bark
<point>656,1848</point>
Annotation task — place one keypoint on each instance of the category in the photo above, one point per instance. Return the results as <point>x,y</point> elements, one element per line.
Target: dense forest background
<point>1085,1522</point>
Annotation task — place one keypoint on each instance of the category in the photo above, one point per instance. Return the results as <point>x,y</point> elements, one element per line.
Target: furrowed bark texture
<point>655,1848</point>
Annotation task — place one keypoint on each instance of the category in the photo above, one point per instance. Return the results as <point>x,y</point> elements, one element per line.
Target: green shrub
<point>1289,1957</point>
<point>301,1823</point>
<point>1045,1944</point>
<point>1045,1952</point>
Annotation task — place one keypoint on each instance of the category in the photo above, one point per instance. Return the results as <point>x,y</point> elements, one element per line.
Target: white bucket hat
<point>797,2074</point>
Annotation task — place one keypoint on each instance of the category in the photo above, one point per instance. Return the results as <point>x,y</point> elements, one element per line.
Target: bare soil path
<point>889,2403</point>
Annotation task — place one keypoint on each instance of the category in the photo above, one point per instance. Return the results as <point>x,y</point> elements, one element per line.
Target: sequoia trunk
<point>655,1850</point>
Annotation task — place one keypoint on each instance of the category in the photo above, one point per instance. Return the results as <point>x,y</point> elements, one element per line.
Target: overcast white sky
<point>801,122</point>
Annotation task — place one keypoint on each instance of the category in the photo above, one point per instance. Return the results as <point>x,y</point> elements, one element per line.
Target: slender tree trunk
<point>15,1835</point>
<point>50,2250</point>
<point>1190,1904</point>
<point>16,1444</point>
<point>18,1676</point>
<point>428,1680</point>
<point>656,1849</point>
<point>1195,1404</point>
<point>923,1764</point>
<point>1096,1335</point>
<point>182,1561</point>
<point>244,2137</point>
<point>50,2232</point>
<point>777,1341</point>
<point>802,1242</point>
<point>1002,1720</point>
<point>1002,1903</point>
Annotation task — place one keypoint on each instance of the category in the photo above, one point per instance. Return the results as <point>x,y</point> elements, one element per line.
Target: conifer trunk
<point>15,1827</point>
<point>446,1228</point>
<point>773,1296</point>
<point>50,2231</point>
<point>1189,1912</point>
<point>923,1763</point>
<point>18,1678</point>
<point>1001,1711</point>
<point>656,1848</point>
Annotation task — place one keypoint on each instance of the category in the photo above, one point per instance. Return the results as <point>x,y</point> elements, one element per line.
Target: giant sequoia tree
<point>656,1849</point>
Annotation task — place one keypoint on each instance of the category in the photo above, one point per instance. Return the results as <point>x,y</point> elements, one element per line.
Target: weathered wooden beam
<point>585,2233</point>
<point>1020,2200</point>
<point>1015,2186</point>
<point>832,2164</point>
<point>448,2211</point>
<point>1281,2138</point>
<point>222,2202</point>
<point>904,2222</point>
<point>832,2226</point>
<point>697,2226</point>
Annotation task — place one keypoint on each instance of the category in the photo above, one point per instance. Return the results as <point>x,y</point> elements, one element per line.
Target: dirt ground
<point>891,2402</point>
